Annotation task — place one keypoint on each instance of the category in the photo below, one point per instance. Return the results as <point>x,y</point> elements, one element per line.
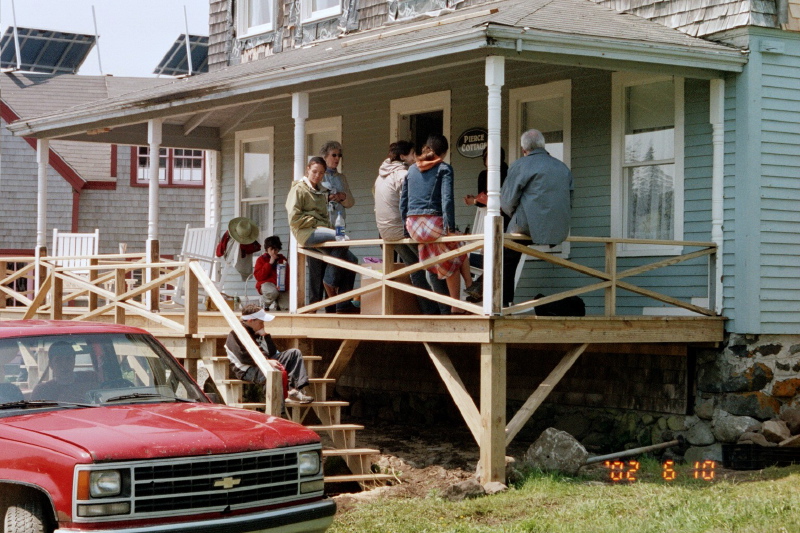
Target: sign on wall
<point>472,142</point>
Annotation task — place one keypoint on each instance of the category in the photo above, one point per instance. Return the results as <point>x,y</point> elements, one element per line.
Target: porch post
<point>492,243</point>
<point>493,412</point>
<point>717,119</point>
<point>300,115</point>
<point>42,162</point>
<point>154,141</point>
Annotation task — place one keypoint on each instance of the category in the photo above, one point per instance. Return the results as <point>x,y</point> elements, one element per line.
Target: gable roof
<point>555,28</point>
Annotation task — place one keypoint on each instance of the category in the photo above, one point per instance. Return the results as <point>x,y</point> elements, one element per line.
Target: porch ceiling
<point>198,111</point>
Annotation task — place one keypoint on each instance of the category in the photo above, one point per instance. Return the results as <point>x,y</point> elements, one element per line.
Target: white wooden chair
<point>69,247</point>
<point>199,244</point>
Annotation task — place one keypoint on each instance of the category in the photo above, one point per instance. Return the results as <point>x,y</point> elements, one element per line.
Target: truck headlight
<point>105,483</point>
<point>308,463</point>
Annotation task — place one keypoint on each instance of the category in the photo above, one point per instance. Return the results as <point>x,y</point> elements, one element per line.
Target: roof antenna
<point>188,48</point>
<point>16,36</point>
<point>96,40</point>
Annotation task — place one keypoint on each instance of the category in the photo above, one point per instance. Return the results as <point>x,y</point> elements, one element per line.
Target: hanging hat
<point>243,230</point>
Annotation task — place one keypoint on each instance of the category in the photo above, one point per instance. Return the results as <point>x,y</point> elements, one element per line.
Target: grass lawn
<point>757,502</point>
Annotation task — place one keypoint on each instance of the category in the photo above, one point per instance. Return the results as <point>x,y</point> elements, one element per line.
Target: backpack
<point>571,306</point>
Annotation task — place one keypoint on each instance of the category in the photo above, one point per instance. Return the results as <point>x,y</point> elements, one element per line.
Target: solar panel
<point>175,63</point>
<point>49,52</point>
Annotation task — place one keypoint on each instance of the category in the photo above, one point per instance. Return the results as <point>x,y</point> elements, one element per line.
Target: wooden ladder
<point>342,436</point>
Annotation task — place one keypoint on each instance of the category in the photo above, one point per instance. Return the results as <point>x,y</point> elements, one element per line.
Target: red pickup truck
<point>102,430</point>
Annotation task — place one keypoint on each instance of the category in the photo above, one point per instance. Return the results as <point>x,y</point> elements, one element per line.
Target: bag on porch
<point>571,306</point>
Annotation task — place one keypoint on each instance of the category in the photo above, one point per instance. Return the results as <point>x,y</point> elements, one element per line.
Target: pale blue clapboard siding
<point>779,217</point>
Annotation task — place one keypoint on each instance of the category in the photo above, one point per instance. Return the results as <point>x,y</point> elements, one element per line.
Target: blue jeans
<point>409,254</point>
<point>341,278</point>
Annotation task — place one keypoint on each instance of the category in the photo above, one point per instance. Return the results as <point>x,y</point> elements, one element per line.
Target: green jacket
<point>307,209</point>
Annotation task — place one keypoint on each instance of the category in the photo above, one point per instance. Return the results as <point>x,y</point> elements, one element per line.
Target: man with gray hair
<point>537,195</point>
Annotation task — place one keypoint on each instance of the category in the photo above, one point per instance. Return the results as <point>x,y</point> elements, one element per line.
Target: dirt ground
<point>428,460</point>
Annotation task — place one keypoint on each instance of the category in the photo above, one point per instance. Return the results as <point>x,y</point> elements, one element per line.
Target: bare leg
<point>465,273</point>
<point>454,288</point>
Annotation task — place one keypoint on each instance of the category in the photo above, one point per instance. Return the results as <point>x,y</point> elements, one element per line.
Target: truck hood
<point>149,431</point>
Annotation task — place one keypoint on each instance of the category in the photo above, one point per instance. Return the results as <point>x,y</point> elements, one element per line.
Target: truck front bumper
<point>309,518</point>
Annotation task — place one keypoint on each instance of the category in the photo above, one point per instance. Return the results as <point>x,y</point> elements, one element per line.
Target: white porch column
<point>492,243</point>
<point>300,115</point>
<point>154,140</point>
<point>717,119</point>
<point>42,161</point>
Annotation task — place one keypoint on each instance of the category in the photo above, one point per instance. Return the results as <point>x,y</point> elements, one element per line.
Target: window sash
<point>255,17</point>
<point>177,167</point>
<point>320,9</point>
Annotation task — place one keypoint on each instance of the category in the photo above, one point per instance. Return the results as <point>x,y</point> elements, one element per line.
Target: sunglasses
<point>336,155</point>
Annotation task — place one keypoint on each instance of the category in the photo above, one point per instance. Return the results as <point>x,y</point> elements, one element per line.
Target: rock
<point>556,450</point>
<point>493,487</point>
<point>704,409</point>
<point>676,423</point>
<point>786,388</point>
<point>728,428</point>
<point>791,442</point>
<point>700,434</point>
<point>755,404</point>
<point>775,430</point>
<point>768,349</point>
<point>791,416</point>
<point>470,488</point>
<point>755,438</point>
<point>704,453</point>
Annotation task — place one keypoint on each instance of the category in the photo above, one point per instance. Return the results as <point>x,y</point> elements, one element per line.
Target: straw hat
<point>243,230</point>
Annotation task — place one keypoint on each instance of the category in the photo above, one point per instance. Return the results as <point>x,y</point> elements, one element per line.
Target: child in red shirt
<point>271,279</point>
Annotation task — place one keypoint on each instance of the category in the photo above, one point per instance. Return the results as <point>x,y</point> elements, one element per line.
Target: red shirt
<point>265,272</point>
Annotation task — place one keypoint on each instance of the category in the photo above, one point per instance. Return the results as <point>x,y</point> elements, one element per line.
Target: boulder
<point>704,409</point>
<point>775,430</point>
<point>704,453</point>
<point>700,434</point>
<point>755,404</point>
<point>728,428</point>
<point>786,388</point>
<point>493,487</point>
<point>792,418</point>
<point>791,442</point>
<point>755,438</point>
<point>556,450</point>
<point>470,488</point>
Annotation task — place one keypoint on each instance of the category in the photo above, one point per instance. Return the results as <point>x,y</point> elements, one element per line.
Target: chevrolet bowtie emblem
<point>227,483</point>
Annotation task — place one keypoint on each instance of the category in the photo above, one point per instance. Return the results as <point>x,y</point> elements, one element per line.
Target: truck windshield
<point>91,369</point>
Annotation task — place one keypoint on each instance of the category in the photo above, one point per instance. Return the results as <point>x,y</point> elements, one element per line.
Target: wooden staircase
<point>321,415</point>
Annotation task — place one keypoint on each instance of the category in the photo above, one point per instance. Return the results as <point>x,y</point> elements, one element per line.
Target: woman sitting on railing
<point>307,206</point>
<point>427,207</point>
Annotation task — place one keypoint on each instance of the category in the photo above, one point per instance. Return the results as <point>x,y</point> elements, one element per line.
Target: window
<point>547,108</point>
<point>177,167</point>
<point>647,161</point>
<point>254,172</point>
<point>320,9</point>
<point>255,17</point>
<point>321,130</point>
<point>414,118</point>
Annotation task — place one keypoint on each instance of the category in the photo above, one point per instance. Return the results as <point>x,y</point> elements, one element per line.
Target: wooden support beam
<point>340,360</point>
<point>56,308</point>
<point>542,391</point>
<point>493,412</point>
<point>41,296</point>
<point>611,268</point>
<point>457,389</point>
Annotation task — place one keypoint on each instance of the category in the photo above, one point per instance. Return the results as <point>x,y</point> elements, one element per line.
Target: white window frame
<point>423,103</point>
<point>243,14</point>
<point>517,98</point>
<point>318,125</point>
<point>242,137</point>
<point>619,82</point>
<point>311,16</point>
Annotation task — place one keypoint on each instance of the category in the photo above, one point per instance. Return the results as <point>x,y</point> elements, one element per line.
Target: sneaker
<point>298,396</point>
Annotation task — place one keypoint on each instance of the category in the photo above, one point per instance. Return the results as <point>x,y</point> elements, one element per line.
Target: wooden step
<point>333,452</point>
<point>320,403</point>
<point>359,477</point>
<point>336,427</point>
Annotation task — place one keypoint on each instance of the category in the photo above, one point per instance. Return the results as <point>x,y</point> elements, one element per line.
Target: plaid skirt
<point>427,228</point>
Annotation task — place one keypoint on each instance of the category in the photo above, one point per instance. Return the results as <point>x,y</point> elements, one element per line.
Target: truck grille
<point>214,482</point>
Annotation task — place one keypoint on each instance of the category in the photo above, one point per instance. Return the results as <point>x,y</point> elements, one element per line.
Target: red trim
<point>13,252</point>
<point>76,210</point>
<point>58,164</point>
<point>100,186</point>
<point>134,165</point>
<point>113,172</point>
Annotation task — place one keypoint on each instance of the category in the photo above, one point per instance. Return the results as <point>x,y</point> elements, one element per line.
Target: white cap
<point>260,315</point>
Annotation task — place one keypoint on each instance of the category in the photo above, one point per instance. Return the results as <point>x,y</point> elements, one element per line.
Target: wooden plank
<point>457,389</point>
<point>666,299</point>
<point>493,412</point>
<point>40,298</point>
<point>610,295</point>
<point>664,263</point>
<point>436,297</point>
<point>524,306</point>
<point>341,359</point>
<point>542,391</point>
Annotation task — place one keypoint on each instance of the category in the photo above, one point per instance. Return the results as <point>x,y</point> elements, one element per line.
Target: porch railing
<point>609,280</point>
